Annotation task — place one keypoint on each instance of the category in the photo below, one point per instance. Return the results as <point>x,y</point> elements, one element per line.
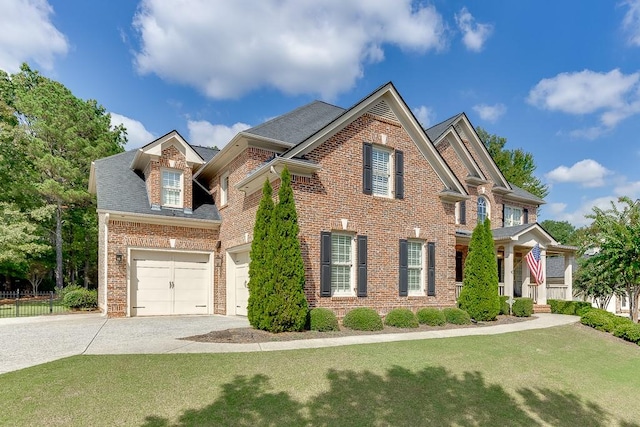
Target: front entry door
<point>242,282</point>
<point>517,277</point>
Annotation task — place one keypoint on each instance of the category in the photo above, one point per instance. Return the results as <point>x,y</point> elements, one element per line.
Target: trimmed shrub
<point>431,317</point>
<point>599,319</point>
<point>522,307</point>
<point>363,319</point>
<point>479,295</point>
<point>568,307</point>
<point>62,292</point>
<point>323,320</point>
<point>504,306</point>
<point>628,331</point>
<point>456,316</point>
<point>401,318</point>
<point>81,299</point>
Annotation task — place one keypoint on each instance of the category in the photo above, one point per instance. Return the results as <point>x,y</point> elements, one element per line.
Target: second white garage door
<point>165,283</point>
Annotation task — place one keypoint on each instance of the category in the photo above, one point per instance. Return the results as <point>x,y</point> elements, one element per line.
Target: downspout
<point>106,262</point>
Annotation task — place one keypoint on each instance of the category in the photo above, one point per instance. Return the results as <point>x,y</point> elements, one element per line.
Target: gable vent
<point>461,132</point>
<point>383,110</point>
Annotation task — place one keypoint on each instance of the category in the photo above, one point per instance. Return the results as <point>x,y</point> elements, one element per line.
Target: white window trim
<point>509,220</point>
<point>423,254</point>
<point>352,272</point>
<point>224,189</point>
<point>391,177</point>
<point>162,188</point>
<point>487,208</point>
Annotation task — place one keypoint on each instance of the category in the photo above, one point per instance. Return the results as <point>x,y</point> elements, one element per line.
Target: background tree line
<point>48,221</point>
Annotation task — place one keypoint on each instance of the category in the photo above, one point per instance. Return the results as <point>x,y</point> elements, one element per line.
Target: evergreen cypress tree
<point>260,266</point>
<point>479,295</point>
<point>287,305</point>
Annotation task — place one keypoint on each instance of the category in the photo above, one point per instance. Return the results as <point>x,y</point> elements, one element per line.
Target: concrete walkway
<point>26,342</point>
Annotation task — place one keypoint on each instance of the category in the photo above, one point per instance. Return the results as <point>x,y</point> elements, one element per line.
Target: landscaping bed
<point>250,335</point>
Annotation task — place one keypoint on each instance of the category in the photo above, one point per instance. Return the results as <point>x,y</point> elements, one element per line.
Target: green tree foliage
<point>616,233</point>
<point>517,165</point>
<point>287,305</point>
<point>594,280</point>
<point>48,138</point>
<point>260,265</point>
<point>562,231</point>
<point>20,237</point>
<point>479,295</point>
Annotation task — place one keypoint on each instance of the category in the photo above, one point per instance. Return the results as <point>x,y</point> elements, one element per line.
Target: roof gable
<point>387,103</point>
<point>154,150</point>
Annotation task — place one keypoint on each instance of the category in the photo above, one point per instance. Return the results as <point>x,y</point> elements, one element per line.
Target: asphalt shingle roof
<point>522,193</point>
<point>434,132</point>
<point>297,125</point>
<point>121,189</point>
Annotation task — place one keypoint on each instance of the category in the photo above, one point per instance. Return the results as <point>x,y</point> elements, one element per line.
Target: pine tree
<point>260,266</point>
<point>479,296</point>
<point>287,305</point>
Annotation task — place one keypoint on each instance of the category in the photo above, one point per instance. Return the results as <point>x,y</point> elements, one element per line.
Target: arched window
<point>483,209</point>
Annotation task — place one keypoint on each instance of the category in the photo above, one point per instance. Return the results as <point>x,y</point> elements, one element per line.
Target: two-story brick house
<point>385,212</point>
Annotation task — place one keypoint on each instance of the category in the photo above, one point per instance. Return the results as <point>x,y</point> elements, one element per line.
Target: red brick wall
<point>124,235</point>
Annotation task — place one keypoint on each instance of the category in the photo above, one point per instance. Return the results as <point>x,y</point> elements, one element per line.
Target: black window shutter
<point>525,214</point>
<point>362,266</point>
<point>367,173</point>
<point>463,212</point>
<point>503,211</point>
<point>399,164</point>
<point>403,279</point>
<point>431,270</point>
<point>325,264</point>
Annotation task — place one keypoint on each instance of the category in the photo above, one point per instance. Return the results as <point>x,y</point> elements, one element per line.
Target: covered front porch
<point>514,276</point>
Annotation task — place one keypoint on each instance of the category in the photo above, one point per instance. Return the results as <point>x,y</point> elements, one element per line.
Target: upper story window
<point>224,189</point>
<point>483,209</point>
<point>381,171</point>
<point>512,216</point>
<point>461,212</point>
<point>172,188</point>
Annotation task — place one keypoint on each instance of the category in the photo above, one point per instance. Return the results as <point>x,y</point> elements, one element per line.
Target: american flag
<point>535,266</point>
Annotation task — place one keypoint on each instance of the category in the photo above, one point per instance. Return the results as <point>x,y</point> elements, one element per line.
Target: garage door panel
<point>165,283</point>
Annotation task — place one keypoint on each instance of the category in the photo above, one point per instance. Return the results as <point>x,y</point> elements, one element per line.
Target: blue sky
<point>558,79</point>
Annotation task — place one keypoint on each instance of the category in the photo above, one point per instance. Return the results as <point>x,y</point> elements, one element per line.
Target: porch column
<point>542,287</point>
<point>526,278</point>
<point>508,269</point>
<point>568,275</point>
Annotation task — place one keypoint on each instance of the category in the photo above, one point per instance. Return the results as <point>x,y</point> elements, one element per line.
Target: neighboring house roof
<point>297,125</point>
<point>121,189</point>
<point>508,232</point>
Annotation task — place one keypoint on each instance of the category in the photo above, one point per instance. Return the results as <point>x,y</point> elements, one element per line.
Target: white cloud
<point>425,115</point>
<point>629,189</point>
<point>613,95</point>
<point>490,113</point>
<point>474,34</point>
<point>556,208</point>
<point>631,22</point>
<point>28,34</point>
<point>205,134</point>
<point>588,173</point>
<point>137,134</point>
<point>578,217</point>
<point>227,49</point>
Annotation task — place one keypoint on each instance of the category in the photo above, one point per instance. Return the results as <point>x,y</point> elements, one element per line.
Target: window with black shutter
<point>325,264</point>
<point>431,269</point>
<point>367,173</point>
<point>399,181</point>
<point>362,266</point>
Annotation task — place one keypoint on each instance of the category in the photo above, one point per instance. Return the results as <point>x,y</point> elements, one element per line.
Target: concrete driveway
<point>30,341</point>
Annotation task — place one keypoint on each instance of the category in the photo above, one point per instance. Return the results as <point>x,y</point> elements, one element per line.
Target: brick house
<point>385,211</point>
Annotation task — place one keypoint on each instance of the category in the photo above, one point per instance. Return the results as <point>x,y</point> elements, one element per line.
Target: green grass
<point>565,376</point>
<point>32,308</point>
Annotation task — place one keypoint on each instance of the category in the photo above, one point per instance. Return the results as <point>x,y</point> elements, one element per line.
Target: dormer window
<point>172,188</point>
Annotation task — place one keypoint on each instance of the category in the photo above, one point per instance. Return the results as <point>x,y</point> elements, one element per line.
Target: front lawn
<point>32,307</point>
<point>564,376</point>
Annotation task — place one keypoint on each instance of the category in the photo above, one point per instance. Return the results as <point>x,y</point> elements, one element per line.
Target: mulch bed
<point>250,335</point>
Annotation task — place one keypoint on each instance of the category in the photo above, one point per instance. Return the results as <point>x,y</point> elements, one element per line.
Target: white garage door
<point>241,282</point>
<point>164,283</point>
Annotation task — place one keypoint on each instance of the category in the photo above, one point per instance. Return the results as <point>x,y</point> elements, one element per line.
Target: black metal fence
<point>24,303</point>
